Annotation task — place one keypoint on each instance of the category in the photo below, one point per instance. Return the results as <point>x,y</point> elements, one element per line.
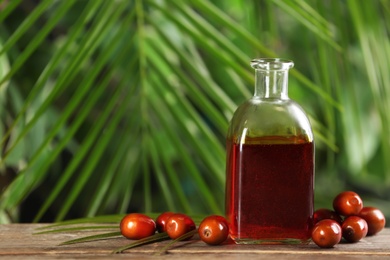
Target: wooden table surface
<point>18,241</point>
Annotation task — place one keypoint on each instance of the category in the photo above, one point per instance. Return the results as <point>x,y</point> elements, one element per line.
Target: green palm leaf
<point>116,106</point>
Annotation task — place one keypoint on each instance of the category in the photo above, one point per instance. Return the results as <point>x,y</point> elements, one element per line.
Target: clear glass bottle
<point>270,163</point>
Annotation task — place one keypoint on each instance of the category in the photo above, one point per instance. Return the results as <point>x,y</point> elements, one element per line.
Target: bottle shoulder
<point>269,107</point>
<point>270,117</point>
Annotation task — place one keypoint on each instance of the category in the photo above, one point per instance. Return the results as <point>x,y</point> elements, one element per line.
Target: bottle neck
<point>271,84</point>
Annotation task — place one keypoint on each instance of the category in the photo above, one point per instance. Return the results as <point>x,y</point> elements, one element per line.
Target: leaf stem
<point>183,237</point>
<point>147,240</point>
<point>92,238</point>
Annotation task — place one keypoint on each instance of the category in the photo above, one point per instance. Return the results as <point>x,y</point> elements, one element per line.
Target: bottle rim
<point>272,64</point>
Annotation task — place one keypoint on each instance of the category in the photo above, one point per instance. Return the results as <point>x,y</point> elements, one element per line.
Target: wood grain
<point>19,240</point>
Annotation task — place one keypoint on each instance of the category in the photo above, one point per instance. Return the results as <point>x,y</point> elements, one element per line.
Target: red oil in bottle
<point>269,192</point>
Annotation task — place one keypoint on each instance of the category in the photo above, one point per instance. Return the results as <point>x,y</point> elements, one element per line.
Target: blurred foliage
<point>118,106</point>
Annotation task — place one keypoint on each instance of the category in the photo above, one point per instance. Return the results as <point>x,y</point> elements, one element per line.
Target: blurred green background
<point>109,107</point>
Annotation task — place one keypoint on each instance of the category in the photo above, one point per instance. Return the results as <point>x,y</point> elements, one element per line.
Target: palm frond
<point>115,106</point>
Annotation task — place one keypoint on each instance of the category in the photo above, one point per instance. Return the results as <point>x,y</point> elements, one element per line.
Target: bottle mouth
<point>272,64</point>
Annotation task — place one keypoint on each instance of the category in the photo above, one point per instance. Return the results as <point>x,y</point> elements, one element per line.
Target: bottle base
<point>270,241</point>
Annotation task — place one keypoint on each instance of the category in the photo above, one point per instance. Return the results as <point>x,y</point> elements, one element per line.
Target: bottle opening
<point>272,64</point>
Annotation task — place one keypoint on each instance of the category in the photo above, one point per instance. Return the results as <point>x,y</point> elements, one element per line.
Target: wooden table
<point>19,241</point>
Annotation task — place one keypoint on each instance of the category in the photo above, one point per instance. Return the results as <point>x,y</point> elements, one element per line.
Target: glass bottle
<point>270,163</point>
